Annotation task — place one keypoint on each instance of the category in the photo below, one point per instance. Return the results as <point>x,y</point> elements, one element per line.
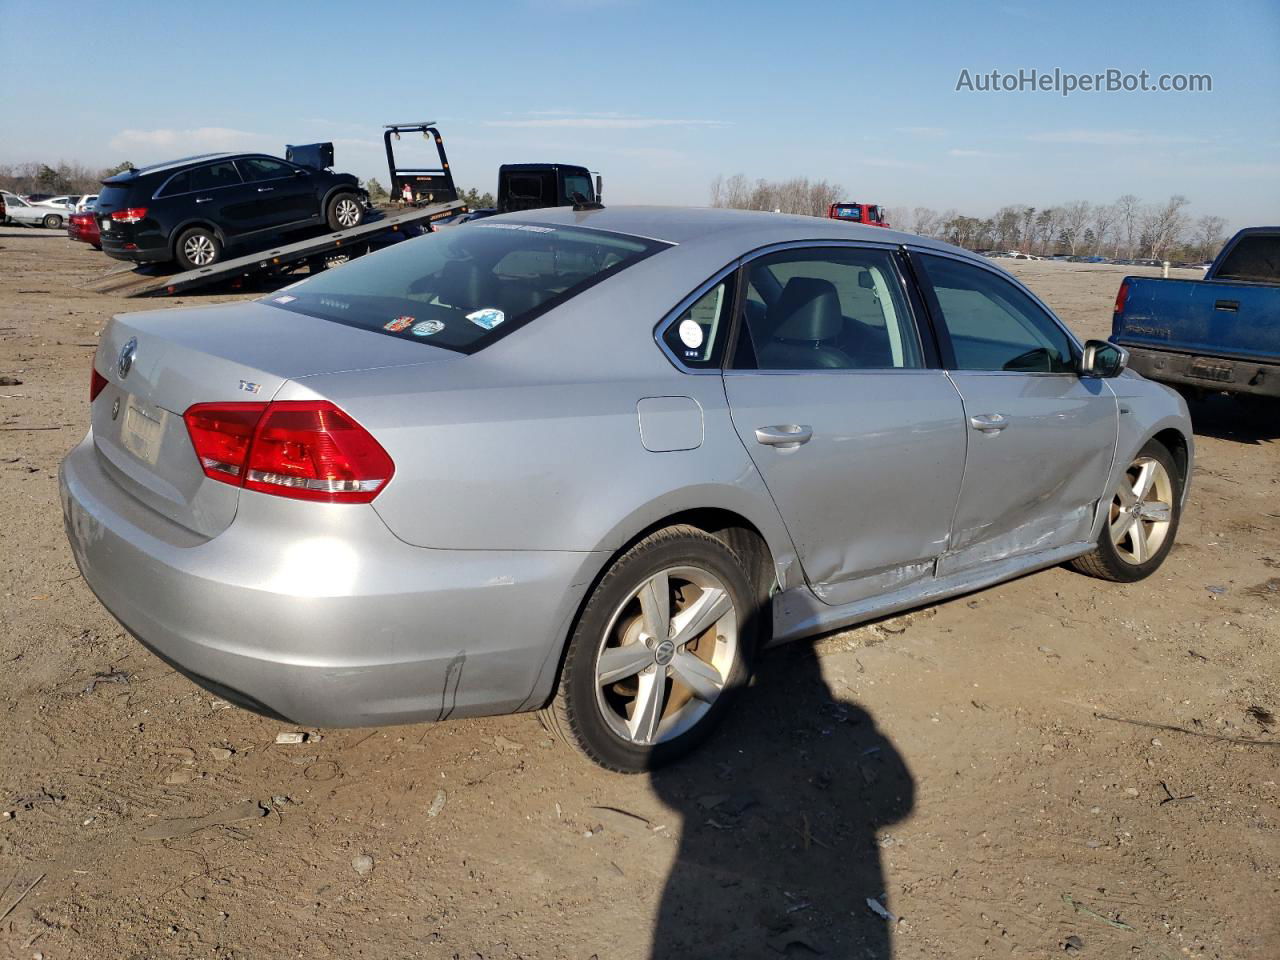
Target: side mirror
<point>1103,359</point>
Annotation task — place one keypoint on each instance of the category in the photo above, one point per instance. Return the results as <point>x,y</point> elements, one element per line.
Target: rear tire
<point>344,211</point>
<point>1142,521</point>
<point>661,648</point>
<point>52,221</point>
<point>197,247</point>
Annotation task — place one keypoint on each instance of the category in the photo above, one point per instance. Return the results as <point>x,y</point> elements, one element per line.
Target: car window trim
<point>944,335</point>
<point>929,357</point>
<point>729,330</point>
<point>227,186</point>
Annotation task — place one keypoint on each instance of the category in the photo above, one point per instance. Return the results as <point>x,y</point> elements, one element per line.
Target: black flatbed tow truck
<point>149,281</point>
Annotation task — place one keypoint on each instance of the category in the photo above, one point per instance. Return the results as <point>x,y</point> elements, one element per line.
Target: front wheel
<point>1142,519</point>
<point>52,221</point>
<point>198,247</point>
<point>662,645</point>
<point>344,211</point>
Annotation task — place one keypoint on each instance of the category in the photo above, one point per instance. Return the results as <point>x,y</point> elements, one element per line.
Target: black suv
<point>195,209</point>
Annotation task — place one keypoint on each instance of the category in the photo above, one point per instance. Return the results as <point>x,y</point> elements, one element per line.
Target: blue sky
<point>663,96</point>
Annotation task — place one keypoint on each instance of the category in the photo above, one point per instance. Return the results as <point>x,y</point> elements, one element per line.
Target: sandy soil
<point>953,763</point>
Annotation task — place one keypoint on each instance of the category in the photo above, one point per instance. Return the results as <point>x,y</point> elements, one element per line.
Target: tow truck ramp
<point>143,281</point>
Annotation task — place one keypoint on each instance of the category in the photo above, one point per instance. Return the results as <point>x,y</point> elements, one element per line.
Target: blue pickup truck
<point>1219,334</point>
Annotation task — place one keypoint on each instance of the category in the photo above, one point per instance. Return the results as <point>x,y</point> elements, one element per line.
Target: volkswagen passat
<point>590,462</point>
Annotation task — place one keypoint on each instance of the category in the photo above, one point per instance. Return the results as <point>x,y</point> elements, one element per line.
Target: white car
<point>28,214</point>
<point>86,202</point>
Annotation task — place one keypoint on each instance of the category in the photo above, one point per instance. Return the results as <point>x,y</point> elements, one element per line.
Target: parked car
<point>86,202</point>
<point>590,462</point>
<point>1216,334</point>
<point>64,203</point>
<point>197,209</point>
<point>20,211</point>
<point>84,227</point>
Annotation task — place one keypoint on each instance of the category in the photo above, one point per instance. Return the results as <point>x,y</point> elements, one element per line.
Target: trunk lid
<point>243,352</point>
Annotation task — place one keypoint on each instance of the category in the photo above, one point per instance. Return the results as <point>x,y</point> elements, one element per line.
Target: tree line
<point>72,178</point>
<point>1127,228</point>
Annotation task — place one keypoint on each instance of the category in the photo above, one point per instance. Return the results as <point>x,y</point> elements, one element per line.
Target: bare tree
<point>927,221</point>
<point>1209,235</point>
<point>1127,214</point>
<point>1104,218</point>
<point>1074,220</point>
<point>900,218</point>
<point>1163,225</point>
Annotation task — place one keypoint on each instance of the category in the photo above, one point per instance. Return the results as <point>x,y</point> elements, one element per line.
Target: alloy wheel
<point>666,655</point>
<point>1142,511</point>
<point>347,212</point>
<point>199,250</point>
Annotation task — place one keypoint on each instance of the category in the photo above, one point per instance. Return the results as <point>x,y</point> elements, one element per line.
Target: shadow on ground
<point>782,816</point>
<point>1241,419</point>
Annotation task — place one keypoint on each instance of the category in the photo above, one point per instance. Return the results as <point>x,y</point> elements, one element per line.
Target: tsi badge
<point>128,353</point>
<point>249,387</point>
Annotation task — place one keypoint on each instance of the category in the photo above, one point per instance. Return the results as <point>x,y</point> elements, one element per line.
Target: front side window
<point>261,168</point>
<point>992,325</point>
<point>576,183</point>
<point>215,175</point>
<point>464,288</point>
<point>834,308</point>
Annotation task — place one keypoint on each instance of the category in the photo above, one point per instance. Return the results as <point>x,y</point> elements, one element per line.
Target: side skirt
<point>798,613</point>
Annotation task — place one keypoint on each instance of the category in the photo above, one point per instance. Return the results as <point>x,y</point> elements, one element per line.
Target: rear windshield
<point>1255,258</point>
<point>113,196</point>
<point>465,287</point>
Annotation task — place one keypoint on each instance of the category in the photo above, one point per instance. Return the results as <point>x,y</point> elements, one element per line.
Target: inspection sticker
<point>691,334</point>
<point>398,324</point>
<point>487,318</point>
<point>427,327</point>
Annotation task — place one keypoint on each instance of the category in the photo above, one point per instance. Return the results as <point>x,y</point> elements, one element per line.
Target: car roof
<point>170,165</point>
<point>696,225</point>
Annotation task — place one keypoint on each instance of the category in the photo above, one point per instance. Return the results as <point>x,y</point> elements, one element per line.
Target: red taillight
<point>1122,296</point>
<point>305,449</point>
<point>129,215</point>
<point>96,382</point>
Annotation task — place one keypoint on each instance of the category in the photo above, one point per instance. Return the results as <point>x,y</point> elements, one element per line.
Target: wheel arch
<point>738,532</point>
<point>186,225</point>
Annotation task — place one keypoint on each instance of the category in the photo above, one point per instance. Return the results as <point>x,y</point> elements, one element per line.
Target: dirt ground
<point>958,764</point>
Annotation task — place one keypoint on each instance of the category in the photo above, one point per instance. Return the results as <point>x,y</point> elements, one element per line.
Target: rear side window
<point>1255,259</point>
<point>180,183</point>
<point>215,175</point>
<point>466,287</point>
<point>992,325</point>
<point>833,308</point>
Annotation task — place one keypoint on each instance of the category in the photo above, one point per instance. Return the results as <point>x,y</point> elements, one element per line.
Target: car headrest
<point>460,284</point>
<point>809,309</point>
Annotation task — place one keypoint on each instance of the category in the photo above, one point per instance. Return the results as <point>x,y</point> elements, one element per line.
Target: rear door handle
<point>265,189</point>
<point>788,436</point>
<point>1231,306</point>
<point>989,422</point>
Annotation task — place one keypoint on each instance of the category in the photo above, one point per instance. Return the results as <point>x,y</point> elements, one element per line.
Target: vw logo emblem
<point>127,355</point>
<point>664,652</point>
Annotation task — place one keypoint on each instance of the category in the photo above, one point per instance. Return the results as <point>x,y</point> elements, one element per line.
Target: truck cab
<point>851,211</point>
<point>531,186</point>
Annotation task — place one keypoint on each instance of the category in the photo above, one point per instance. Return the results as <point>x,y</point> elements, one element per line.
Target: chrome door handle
<point>203,199</point>
<point>788,436</point>
<point>265,189</point>
<point>989,422</point>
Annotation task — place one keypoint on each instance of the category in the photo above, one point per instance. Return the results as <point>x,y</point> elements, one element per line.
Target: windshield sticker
<point>691,334</point>
<point>399,324</point>
<point>428,327</point>
<point>514,226</point>
<point>284,299</point>
<point>487,318</point>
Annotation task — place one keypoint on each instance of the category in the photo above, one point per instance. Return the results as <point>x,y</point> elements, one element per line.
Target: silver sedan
<point>590,463</point>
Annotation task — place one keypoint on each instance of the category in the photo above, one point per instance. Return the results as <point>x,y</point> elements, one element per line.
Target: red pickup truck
<point>872,214</point>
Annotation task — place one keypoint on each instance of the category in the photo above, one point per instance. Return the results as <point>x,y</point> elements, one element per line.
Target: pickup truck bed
<point>1213,334</point>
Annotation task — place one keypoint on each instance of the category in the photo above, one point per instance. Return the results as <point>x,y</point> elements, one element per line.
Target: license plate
<point>1212,370</point>
<point>106,226</point>
<point>143,430</point>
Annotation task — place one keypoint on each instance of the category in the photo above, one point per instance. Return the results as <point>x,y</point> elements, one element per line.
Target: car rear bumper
<point>1206,373</point>
<point>347,627</point>
<point>116,247</point>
